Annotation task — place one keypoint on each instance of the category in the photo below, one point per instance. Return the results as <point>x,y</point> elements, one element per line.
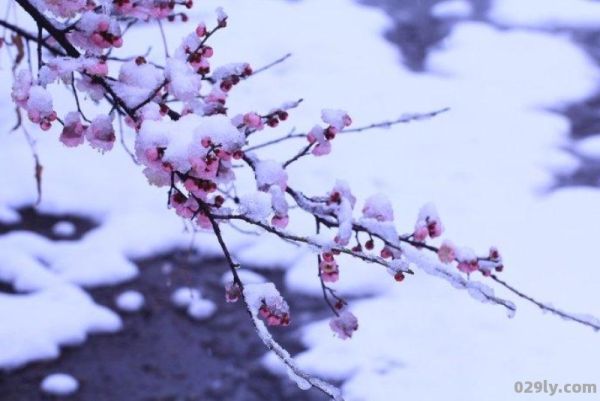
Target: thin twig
<point>592,322</point>
<point>289,136</point>
<point>299,155</point>
<point>407,118</point>
<point>77,99</point>
<point>164,38</point>
<point>271,64</point>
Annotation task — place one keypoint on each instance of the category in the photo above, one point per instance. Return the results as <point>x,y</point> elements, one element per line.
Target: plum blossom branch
<point>190,143</point>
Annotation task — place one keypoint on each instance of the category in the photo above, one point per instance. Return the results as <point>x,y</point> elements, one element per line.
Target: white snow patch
<point>247,277</point>
<point>546,13</point>
<point>59,384</point>
<point>589,147</point>
<point>37,324</point>
<point>201,309</point>
<point>130,301</point>
<point>8,215</point>
<point>184,296</point>
<point>452,9</point>
<point>63,229</point>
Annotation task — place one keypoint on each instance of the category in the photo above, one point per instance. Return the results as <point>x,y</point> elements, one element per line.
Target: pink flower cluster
<point>428,224</point>
<point>96,32</point>
<point>34,99</point>
<point>467,261</point>
<point>100,133</point>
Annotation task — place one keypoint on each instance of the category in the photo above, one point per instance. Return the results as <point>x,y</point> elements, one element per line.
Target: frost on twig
<point>256,296</point>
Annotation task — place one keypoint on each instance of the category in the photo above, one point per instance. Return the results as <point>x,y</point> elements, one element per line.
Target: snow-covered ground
<point>486,164</point>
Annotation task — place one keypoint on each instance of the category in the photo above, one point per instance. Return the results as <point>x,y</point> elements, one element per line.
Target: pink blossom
<point>495,254</point>
<point>253,120</point>
<point>96,32</point>
<point>344,325</point>
<point>447,252</point>
<point>201,30</point>
<point>317,135</point>
<point>21,86</point>
<point>468,266</point>
<point>233,292</point>
<point>204,222</point>
<point>205,168</point>
<point>100,68</point>
<point>64,8</point>
<point>322,149</point>
<point>429,219</point>
<point>275,310</point>
<point>73,131</point>
<point>386,253</point>
<point>221,17</point>
<point>270,173</point>
<point>329,269</point>
<point>280,221</point>
<point>184,206</point>
<point>338,119</point>
<point>100,133</point>
<point>399,277</point>
<point>378,207</point>
<point>421,233</point>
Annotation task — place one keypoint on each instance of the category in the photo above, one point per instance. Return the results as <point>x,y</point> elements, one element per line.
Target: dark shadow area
<point>415,31</point>
<point>42,224</point>
<point>584,118</point>
<point>163,355</point>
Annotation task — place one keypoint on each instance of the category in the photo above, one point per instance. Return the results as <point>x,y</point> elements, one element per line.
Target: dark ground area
<point>415,30</point>
<point>161,354</point>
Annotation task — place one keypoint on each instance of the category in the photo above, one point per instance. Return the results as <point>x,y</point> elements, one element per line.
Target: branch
<point>299,155</point>
<point>31,37</point>
<point>291,135</point>
<point>262,331</point>
<point>272,64</point>
<point>56,33</point>
<point>407,118</point>
<point>589,321</point>
<point>306,240</point>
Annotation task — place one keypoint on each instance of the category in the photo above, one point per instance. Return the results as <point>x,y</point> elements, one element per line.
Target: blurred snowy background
<point>88,281</point>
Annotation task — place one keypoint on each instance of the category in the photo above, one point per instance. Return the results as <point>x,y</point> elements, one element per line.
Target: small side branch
<point>589,321</point>
<point>407,118</point>
<point>272,64</point>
